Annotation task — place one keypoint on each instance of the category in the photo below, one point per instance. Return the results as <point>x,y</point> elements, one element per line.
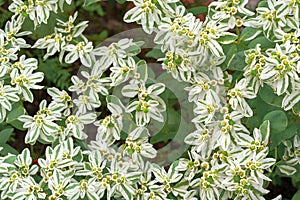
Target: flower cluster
<point>226,159</point>
<point>17,75</point>
<point>277,67</point>
<point>68,37</point>
<point>37,11</point>
<point>273,15</point>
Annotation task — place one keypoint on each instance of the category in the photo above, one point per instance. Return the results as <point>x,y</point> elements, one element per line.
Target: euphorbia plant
<point>240,71</point>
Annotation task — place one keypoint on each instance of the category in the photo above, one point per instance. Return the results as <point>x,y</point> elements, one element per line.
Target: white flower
<point>282,67</point>
<point>284,36</point>
<point>53,43</point>
<point>57,184</point>
<point>122,72</point>
<point>19,8</point>
<point>207,42</point>
<point>229,130</point>
<point>180,64</point>
<point>24,63</point>
<point>24,162</point>
<point>210,183</point>
<point>109,127</point>
<point>95,84</point>
<point>290,100</point>
<point>243,187</point>
<point>203,88</point>
<point>19,172</point>
<point>69,28</point>
<point>149,104</point>
<point>75,124</point>
<point>39,124</point>
<point>38,10</point>
<point>8,95</point>
<point>144,111</point>
<point>237,97</point>
<point>290,8</point>
<point>205,111</point>
<point>145,93</point>
<point>166,178</point>
<point>30,190</point>
<point>257,164</point>
<point>95,167</point>
<point>149,188</point>
<point>12,36</point>
<point>82,189</point>
<point>121,180</point>
<point>254,144</point>
<point>42,11</point>
<point>202,139</point>
<point>115,51</point>
<point>78,85</point>
<point>291,156</point>
<point>26,80</point>
<point>268,19</point>
<point>86,103</point>
<point>256,62</point>
<point>145,12</point>
<point>137,145</point>
<point>191,166</point>
<point>61,97</point>
<point>178,32</point>
<point>226,11</point>
<point>58,159</point>
<point>81,50</point>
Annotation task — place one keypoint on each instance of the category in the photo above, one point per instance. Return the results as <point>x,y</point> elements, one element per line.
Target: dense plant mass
<point>239,68</point>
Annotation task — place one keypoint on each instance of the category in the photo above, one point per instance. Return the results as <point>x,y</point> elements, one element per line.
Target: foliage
<point>216,116</point>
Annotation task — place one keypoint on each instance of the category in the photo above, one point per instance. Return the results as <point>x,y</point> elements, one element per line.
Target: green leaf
<point>296,108</point>
<point>227,38</point>
<point>55,72</point>
<point>18,125</point>
<point>121,1</point>
<point>278,121</point>
<point>78,157</point>
<point>12,117</point>
<point>133,50</point>
<point>297,195</point>
<point>265,130</point>
<point>289,132</point>
<point>89,2</point>
<point>231,50</point>
<point>17,110</point>
<point>263,41</point>
<point>8,149</point>
<point>235,58</point>
<point>266,93</point>
<point>2,2</point>
<point>238,61</point>
<point>198,10</point>
<point>262,3</point>
<point>170,128</point>
<point>4,17</point>
<point>43,29</point>
<point>114,100</point>
<point>155,53</point>
<point>142,70</point>
<point>286,169</point>
<point>260,109</point>
<point>5,134</point>
<point>249,33</point>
